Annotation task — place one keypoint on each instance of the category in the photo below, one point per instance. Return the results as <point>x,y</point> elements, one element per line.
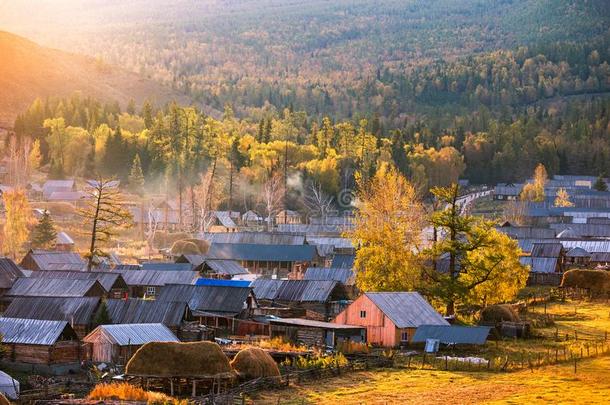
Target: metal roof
<point>406,309</point>
<point>136,310</point>
<point>585,230</point>
<point>255,238</point>
<point>508,189</point>
<point>338,243</point>
<point>158,277</point>
<point>31,331</point>
<point>294,290</point>
<point>226,267</point>
<point>222,283</point>
<point>342,275</point>
<point>225,219</point>
<point>167,266</point>
<point>78,310</point>
<point>133,334</point>
<point>522,232</point>
<point>55,260</point>
<point>278,253</point>
<point>222,299</point>
<point>540,264</point>
<point>577,252</point>
<point>107,279</point>
<point>64,239</point>
<point>9,272</point>
<point>473,335</point>
<point>54,287</point>
<point>307,323</point>
<point>343,261</point>
<point>325,229</point>
<point>194,260</point>
<point>547,249</point>
<point>601,257</point>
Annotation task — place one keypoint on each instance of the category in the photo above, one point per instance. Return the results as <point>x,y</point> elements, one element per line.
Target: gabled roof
<point>577,252</point>
<point>55,260</point>
<point>294,290</point>
<point>9,272</point>
<point>78,310</point>
<point>282,253</point>
<point>64,239</point>
<point>540,264</point>
<point>474,335</point>
<point>255,238</point>
<point>33,331</point>
<point>225,267</point>
<point>343,261</point>
<point>54,287</point>
<point>342,275</point>
<point>406,309</point>
<point>600,257</point>
<point>214,299</point>
<point>546,249</point>
<point>225,219</point>
<point>107,279</point>
<point>158,277</point>
<point>567,233</point>
<point>167,266</point>
<point>136,310</point>
<point>66,196</point>
<point>134,334</point>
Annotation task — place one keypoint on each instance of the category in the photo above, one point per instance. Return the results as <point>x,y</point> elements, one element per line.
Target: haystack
<point>3,400</point>
<point>494,314</point>
<point>174,359</point>
<point>254,363</point>
<point>190,246</point>
<point>596,281</point>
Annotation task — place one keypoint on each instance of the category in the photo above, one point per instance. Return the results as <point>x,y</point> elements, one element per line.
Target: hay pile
<point>254,363</point>
<point>174,359</point>
<point>190,247</point>
<point>493,314</point>
<point>596,281</point>
<point>3,400</point>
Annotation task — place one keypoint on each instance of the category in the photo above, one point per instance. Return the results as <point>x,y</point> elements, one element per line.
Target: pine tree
<point>147,114</point>
<point>136,177</point>
<point>600,184</point>
<point>102,317</point>
<point>268,130</point>
<point>44,234</point>
<point>261,130</point>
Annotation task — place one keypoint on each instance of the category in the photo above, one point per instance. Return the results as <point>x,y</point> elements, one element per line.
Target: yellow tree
<point>535,191</point>
<point>562,199</point>
<point>18,219</point>
<point>387,229</point>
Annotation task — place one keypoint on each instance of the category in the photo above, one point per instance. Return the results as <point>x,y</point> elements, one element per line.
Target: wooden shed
<point>51,346</point>
<point>316,333</point>
<point>117,343</point>
<point>390,318</point>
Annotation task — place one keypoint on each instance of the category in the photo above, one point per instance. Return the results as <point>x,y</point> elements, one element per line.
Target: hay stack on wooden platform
<point>596,281</point>
<point>493,314</point>
<point>254,363</point>
<point>173,359</point>
<point>190,246</point>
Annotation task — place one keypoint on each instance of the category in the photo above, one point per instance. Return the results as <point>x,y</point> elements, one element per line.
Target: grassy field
<point>550,385</point>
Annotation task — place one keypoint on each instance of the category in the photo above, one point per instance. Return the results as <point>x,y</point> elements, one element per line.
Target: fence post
<point>446,365</point>
<point>556,355</point>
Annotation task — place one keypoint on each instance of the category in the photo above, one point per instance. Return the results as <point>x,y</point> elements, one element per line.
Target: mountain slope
<point>28,71</point>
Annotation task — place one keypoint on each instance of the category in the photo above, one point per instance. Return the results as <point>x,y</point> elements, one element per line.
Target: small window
<point>151,291</point>
<point>404,336</point>
<point>362,314</point>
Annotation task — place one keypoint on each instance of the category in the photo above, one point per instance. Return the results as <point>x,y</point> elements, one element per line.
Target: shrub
<point>278,343</point>
<point>128,392</point>
<point>319,360</point>
<point>596,281</point>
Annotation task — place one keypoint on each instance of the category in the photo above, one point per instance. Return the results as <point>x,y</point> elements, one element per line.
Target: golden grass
<point>128,392</point>
<point>279,344</point>
<point>556,385</point>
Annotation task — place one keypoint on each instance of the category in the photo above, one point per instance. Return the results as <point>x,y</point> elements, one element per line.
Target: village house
<point>113,283</point>
<point>38,260</point>
<point>117,343</point>
<point>213,268</point>
<point>55,287</point>
<point>315,333</point>
<point>57,186</point>
<point>136,310</point>
<point>507,191</point>
<point>63,242</point>
<point>321,297</point>
<point>288,217</point>
<point>9,273</point>
<point>268,260</point>
<point>77,311</point>
<point>545,263</point>
<point>390,318</point>
<point>40,345</point>
<point>226,308</point>
<point>150,283</point>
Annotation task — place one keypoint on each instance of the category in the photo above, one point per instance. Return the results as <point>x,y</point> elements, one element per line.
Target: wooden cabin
<point>78,311</point>
<point>46,346</point>
<point>150,283</point>
<point>113,282</point>
<point>135,310</point>
<point>390,318</point>
<point>38,260</point>
<point>9,273</point>
<point>315,333</point>
<point>117,343</point>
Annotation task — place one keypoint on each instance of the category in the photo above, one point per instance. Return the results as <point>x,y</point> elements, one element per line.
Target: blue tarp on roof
<point>222,283</point>
<point>473,335</point>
